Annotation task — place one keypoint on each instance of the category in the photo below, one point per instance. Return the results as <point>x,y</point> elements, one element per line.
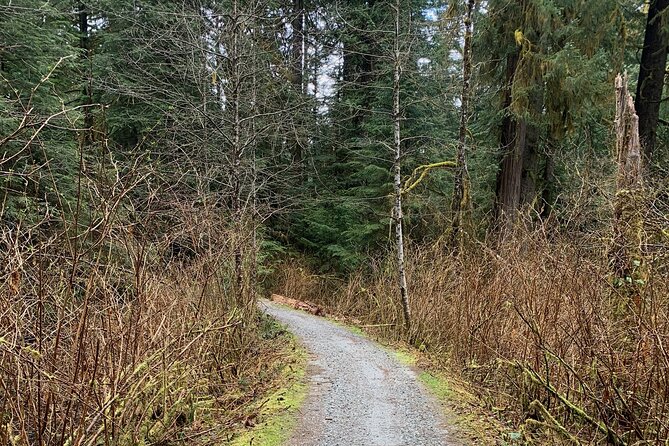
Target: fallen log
<point>298,304</point>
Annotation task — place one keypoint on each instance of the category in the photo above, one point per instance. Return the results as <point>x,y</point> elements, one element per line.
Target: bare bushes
<point>117,342</point>
<point>538,321</point>
<point>292,278</point>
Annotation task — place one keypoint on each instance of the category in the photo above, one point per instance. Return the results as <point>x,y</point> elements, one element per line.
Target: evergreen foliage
<point>159,72</point>
<point>38,79</point>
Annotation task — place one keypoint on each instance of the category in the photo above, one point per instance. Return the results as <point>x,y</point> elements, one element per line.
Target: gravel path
<point>359,394</point>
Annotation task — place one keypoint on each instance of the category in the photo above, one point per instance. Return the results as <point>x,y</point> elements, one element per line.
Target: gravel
<point>360,395</point>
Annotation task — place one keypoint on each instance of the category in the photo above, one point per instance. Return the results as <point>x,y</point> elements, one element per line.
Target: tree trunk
<point>517,178</point>
<point>650,84</point>
<point>461,204</point>
<point>297,76</point>
<point>236,155</point>
<point>628,145</point>
<point>253,276</point>
<point>625,255</point>
<point>87,91</point>
<point>512,142</point>
<point>397,212</point>
<point>531,176</point>
<point>297,43</point>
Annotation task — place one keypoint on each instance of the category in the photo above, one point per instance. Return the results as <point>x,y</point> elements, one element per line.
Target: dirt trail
<point>359,394</point>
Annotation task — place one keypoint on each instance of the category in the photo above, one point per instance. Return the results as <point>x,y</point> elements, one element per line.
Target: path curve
<point>360,395</point>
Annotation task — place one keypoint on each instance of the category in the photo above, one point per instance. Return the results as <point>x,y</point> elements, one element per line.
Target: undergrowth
<point>127,335</point>
<point>271,418</point>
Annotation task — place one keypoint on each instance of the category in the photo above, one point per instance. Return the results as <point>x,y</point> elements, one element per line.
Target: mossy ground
<point>275,415</point>
<point>263,409</point>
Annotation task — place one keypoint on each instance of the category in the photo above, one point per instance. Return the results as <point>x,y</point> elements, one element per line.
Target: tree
<point>38,103</point>
<point>398,216</point>
<point>553,77</point>
<point>652,71</point>
<point>462,185</point>
<point>625,253</point>
<point>349,215</point>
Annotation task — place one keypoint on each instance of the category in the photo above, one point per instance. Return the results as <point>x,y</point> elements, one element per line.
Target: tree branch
<point>410,183</point>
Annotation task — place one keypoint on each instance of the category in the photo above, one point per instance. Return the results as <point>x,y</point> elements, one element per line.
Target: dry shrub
<point>538,320</point>
<point>125,339</point>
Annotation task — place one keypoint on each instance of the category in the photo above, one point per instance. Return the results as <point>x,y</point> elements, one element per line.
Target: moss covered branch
<point>611,435</point>
<point>420,172</point>
<point>550,422</point>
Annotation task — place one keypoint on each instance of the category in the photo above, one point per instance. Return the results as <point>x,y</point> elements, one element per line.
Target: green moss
<point>405,357</point>
<point>278,416</point>
<point>356,330</point>
<point>439,386</point>
<point>349,327</point>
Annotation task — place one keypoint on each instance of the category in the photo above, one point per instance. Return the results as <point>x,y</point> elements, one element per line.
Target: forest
<point>484,182</point>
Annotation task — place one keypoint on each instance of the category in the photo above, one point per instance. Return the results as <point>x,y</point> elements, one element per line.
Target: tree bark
<point>628,145</point>
<point>236,151</point>
<point>253,276</point>
<point>517,178</point>
<point>507,190</point>
<point>512,142</point>
<point>650,84</point>
<point>625,255</point>
<point>297,44</point>
<point>530,179</point>
<point>397,214</point>
<point>297,76</point>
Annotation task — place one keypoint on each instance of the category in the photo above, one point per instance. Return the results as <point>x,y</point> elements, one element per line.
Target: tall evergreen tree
<point>551,73</point>
<point>652,72</point>
<point>352,209</point>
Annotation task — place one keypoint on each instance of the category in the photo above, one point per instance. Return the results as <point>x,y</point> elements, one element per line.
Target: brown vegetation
<point>125,340</point>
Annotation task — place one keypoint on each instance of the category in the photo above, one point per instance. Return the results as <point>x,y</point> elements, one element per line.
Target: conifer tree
<point>38,52</point>
<point>351,214</point>
<point>551,72</point>
<point>652,72</point>
<point>462,184</point>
